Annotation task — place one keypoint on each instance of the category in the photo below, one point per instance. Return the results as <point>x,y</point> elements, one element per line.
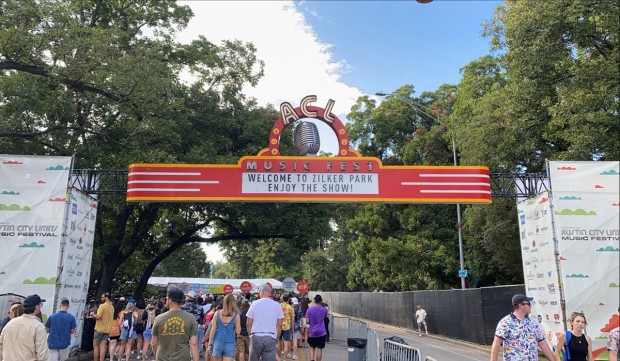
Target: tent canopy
<point>165,281</point>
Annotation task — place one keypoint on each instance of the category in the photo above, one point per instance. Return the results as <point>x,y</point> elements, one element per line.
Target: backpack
<point>565,348</point>
<point>127,320</point>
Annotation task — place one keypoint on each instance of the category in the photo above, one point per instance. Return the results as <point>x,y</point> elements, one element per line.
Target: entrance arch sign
<point>270,177</point>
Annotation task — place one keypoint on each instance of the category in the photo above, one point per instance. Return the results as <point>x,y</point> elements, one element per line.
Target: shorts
<point>101,337</point>
<point>316,342</point>
<point>125,334</point>
<point>304,324</point>
<point>296,336</point>
<point>115,337</point>
<point>148,333</point>
<point>243,344</point>
<point>286,335</point>
<point>221,349</point>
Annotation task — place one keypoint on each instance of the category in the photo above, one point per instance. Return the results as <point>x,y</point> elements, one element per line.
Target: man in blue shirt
<point>60,326</point>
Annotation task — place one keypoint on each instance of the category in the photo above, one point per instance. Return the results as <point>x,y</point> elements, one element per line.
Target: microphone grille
<point>306,139</point>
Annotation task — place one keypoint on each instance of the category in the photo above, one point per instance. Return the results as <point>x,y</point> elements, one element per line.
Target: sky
<point>342,50</point>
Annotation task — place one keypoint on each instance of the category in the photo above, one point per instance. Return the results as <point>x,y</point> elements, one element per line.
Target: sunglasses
<point>525,304</point>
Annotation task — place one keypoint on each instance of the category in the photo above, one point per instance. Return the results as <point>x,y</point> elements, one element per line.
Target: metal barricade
<point>339,328</point>
<point>373,347</point>
<point>393,351</point>
<point>357,329</point>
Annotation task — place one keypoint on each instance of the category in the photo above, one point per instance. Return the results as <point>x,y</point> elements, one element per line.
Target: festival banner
<point>539,264</point>
<point>77,251</point>
<point>33,194</point>
<point>586,216</point>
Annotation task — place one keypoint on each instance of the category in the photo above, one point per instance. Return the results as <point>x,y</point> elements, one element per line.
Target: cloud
<point>40,281</point>
<point>297,63</point>
<point>11,162</point>
<point>41,181</point>
<point>562,258</point>
<point>608,249</point>
<point>615,204</point>
<point>93,205</point>
<point>575,275</point>
<point>58,167</point>
<point>543,200</point>
<point>519,211</point>
<point>570,198</point>
<point>13,207</point>
<point>32,245</point>
<point>575,212</point>
<point>2,273</point>
<point>598,186</point>
<point>614,285</point>
<point>57,199</point>
<point>567,168</point>
<point>610,172</point>
<point>72,197</point>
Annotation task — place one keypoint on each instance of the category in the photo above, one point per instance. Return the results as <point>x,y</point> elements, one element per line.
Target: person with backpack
<point>520,334</point>
<point>139,326</point>
<point>128,332</point>
<point>574,344</point>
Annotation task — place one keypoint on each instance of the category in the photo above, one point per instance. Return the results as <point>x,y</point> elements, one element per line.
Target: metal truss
<point>503,185</point>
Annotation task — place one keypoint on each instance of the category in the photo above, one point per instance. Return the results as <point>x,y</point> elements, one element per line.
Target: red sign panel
<point>308,179</point>
<point>302,287</point>
<point>245,286</point>
<point>228,289</point>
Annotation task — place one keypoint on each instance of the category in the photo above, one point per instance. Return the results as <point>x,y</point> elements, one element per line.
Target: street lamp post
<point>424,111</point>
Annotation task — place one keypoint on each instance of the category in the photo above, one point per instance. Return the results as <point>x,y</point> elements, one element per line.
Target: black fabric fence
<point>469,315</point>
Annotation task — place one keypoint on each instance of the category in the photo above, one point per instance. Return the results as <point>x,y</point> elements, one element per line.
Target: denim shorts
<point>148,333</point>
<point>125,334</point>
<point>221,349</point>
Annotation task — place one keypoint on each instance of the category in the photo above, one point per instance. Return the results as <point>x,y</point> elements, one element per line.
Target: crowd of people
<point>184,326</point>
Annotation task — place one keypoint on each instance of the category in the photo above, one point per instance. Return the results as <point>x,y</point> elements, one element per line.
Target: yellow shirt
<point>105,318</point>
<point>288,313</point>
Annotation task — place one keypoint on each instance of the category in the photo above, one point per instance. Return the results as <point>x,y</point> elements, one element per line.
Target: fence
<point>344,328</point>
<point>394,351</point>
<point>469,315</point>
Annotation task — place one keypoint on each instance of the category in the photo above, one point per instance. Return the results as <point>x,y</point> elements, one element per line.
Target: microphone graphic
<point>306,139</point>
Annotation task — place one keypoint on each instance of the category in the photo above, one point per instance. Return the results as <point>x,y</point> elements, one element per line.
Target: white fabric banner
<point>77,254</point>
<point>33,192</point>
<point>539,264</point>
<point>586,213</point>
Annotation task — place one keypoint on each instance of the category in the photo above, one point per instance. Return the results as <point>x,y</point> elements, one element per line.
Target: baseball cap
<point>265,287</point>
<point>318,299</point>
<point>33,300</point>
<point>191,293</point>
<point>121,299</point>
<point>518,298</point>
<point>176,294</point>
<point>295,300</point>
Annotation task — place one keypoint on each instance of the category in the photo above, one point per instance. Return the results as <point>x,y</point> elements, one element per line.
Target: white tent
<point>165,281</point>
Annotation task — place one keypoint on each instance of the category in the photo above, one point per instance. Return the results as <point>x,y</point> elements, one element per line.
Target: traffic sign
<point>302,287</point>
<point>288,284</point>
<point>228,289</point>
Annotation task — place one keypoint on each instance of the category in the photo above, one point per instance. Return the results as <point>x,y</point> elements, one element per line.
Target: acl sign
<point>268,176</point>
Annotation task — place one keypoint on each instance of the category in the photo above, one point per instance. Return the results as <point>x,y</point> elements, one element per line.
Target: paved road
<point>440,348</point>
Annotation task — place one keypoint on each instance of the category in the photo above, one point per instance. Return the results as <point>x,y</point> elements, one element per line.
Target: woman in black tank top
<point>580,344</point>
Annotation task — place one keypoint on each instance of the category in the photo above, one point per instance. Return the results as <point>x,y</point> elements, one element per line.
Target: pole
<point>459,225</point>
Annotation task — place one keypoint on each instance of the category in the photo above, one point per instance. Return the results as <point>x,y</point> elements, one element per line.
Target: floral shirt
<point>288,313</point>
<point>520,338</point>
<point>613,341</point>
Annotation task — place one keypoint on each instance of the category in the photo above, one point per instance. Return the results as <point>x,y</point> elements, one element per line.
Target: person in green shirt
<point>175,331</point>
